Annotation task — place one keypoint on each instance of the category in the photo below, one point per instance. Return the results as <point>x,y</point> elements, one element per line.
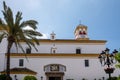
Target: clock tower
<point>81,32</point>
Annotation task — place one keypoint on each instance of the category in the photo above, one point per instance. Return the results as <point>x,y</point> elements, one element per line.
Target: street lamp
<point>108,59</point>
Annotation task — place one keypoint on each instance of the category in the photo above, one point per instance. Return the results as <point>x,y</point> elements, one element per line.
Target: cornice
<point>47,55</point>
<point>20,73</point>
<point>70,41</point>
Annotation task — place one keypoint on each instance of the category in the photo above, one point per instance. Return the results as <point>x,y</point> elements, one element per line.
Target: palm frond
<point>4,5</point>
<point>18,18</point>
<point>32,33</point>
<point>1,22</point>
<point>3,35</point>
<point>3,25</point>
<point>8,16</point>
<point>30,43</point>
<point>30,23</point>
<point>16,28</point>
<point>20,36</point>
<point>20,46</point>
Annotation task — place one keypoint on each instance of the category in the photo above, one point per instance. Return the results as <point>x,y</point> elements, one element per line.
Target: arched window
<point>84,32</point>
<point>80,32</point>
<point>53,49</point>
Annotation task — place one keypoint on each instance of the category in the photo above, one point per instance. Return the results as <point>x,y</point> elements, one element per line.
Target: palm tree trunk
<point>8,60</point>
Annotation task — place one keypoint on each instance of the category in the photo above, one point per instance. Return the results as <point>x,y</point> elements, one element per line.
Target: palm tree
<point>14,32</point>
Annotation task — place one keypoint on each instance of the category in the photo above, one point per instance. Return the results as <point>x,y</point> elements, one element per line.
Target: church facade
<point>58,59</point>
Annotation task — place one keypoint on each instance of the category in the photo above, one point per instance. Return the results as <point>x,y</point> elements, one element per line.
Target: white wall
<point>65,48</point>
<point>2,62</point>
<point>75,67</point>
<point>19,76</point>
<point>3,50</point>
<point>3,46</point>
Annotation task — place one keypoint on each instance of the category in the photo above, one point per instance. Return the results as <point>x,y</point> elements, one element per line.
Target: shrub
<point>113,78</point>
<point>3,77</point>
<point>30,78</point>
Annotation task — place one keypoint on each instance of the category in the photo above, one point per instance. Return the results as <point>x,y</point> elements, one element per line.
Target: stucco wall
<point>75,67</point>
<point>2,61</point>
<point>65,48</point>
<point>3,46</point>
<point>3,50</point>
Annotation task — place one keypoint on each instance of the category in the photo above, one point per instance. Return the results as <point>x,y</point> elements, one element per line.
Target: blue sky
<point>62,16</point>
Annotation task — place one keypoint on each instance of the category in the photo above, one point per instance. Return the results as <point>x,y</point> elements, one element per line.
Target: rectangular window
<point>78,51</point>
<point>28,50</point>
<point>86,63</point>
<point>21,62</point>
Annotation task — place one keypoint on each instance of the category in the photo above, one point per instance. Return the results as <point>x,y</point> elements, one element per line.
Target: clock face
<point>54,67</point>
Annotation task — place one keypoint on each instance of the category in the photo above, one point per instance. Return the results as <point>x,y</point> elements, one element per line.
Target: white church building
<point>58,59</point>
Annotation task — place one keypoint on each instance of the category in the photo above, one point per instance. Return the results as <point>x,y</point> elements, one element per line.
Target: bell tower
<point>81,32</point>
<point>52,37</point>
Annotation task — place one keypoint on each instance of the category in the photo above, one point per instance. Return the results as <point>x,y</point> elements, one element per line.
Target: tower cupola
<point>52,36</point>
<point>81,32</point>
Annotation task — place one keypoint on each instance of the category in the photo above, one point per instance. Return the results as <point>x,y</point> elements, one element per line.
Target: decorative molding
<point>58,55</point>
<point>20,71</point>
<point>70,41</point>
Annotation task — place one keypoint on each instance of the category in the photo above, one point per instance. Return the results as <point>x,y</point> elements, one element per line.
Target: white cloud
<point>28,28</point>
<point>45,36</point>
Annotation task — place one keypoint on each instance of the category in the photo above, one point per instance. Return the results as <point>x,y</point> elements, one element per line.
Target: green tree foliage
<point>117,57</point>
<point>3,77</point>
<point>114,78</point>
<point>30,78</point>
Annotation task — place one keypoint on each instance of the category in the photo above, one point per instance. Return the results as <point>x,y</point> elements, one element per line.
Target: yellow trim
<point>36,55</point>
<point>82,38</point>
<point>70,41</point>
<point>4,29</point>
<point>20,73</point>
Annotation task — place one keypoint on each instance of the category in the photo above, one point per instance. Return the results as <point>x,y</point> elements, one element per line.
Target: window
<point>21,62</point>
<point>86,63</point>
<point>78,51</point>
<point>28,50</point>
<point>53,37</point>
<point>53,51</point>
